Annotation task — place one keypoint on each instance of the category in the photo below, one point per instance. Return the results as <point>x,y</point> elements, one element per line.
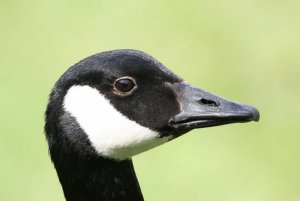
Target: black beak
<point>202,109</point>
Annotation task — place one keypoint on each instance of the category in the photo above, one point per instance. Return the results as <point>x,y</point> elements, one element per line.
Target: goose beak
<point>201,109</point>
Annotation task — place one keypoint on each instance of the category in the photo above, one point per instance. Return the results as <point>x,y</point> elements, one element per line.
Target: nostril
<point>207,102</point>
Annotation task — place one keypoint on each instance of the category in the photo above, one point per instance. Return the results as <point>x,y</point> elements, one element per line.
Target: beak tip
<point>255,113</point>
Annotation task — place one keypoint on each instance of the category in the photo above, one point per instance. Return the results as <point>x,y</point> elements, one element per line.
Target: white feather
<point>111,133</point>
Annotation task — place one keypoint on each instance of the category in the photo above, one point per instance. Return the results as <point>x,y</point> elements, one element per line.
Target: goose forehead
<point>110,132</point>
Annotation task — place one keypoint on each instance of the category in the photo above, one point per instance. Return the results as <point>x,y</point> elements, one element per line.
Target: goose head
<point>120,103</point>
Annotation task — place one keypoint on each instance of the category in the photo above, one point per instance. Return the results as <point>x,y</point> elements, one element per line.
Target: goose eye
<point>125,84</point>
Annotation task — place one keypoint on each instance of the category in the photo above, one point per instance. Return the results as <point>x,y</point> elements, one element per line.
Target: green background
<point>246,51</point>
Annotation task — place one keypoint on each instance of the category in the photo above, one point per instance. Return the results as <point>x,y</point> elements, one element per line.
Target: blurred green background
<point>248,51</point>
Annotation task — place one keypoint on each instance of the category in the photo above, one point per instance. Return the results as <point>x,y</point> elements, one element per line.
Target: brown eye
<point>125,84</point>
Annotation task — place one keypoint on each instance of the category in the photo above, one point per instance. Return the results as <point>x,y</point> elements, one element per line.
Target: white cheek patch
<point>112,134</point>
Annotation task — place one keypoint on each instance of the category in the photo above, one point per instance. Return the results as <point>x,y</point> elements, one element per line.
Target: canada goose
<point>114,105</point>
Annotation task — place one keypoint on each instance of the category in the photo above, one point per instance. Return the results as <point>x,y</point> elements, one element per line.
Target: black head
<point>119,103</point>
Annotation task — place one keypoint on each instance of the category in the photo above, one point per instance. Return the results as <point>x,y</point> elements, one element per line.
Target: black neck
<point>96,178</point>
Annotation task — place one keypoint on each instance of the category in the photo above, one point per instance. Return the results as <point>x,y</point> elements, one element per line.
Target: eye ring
<point>124,86</point>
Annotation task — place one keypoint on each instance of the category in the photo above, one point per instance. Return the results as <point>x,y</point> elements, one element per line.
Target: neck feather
<point>95,178</point>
